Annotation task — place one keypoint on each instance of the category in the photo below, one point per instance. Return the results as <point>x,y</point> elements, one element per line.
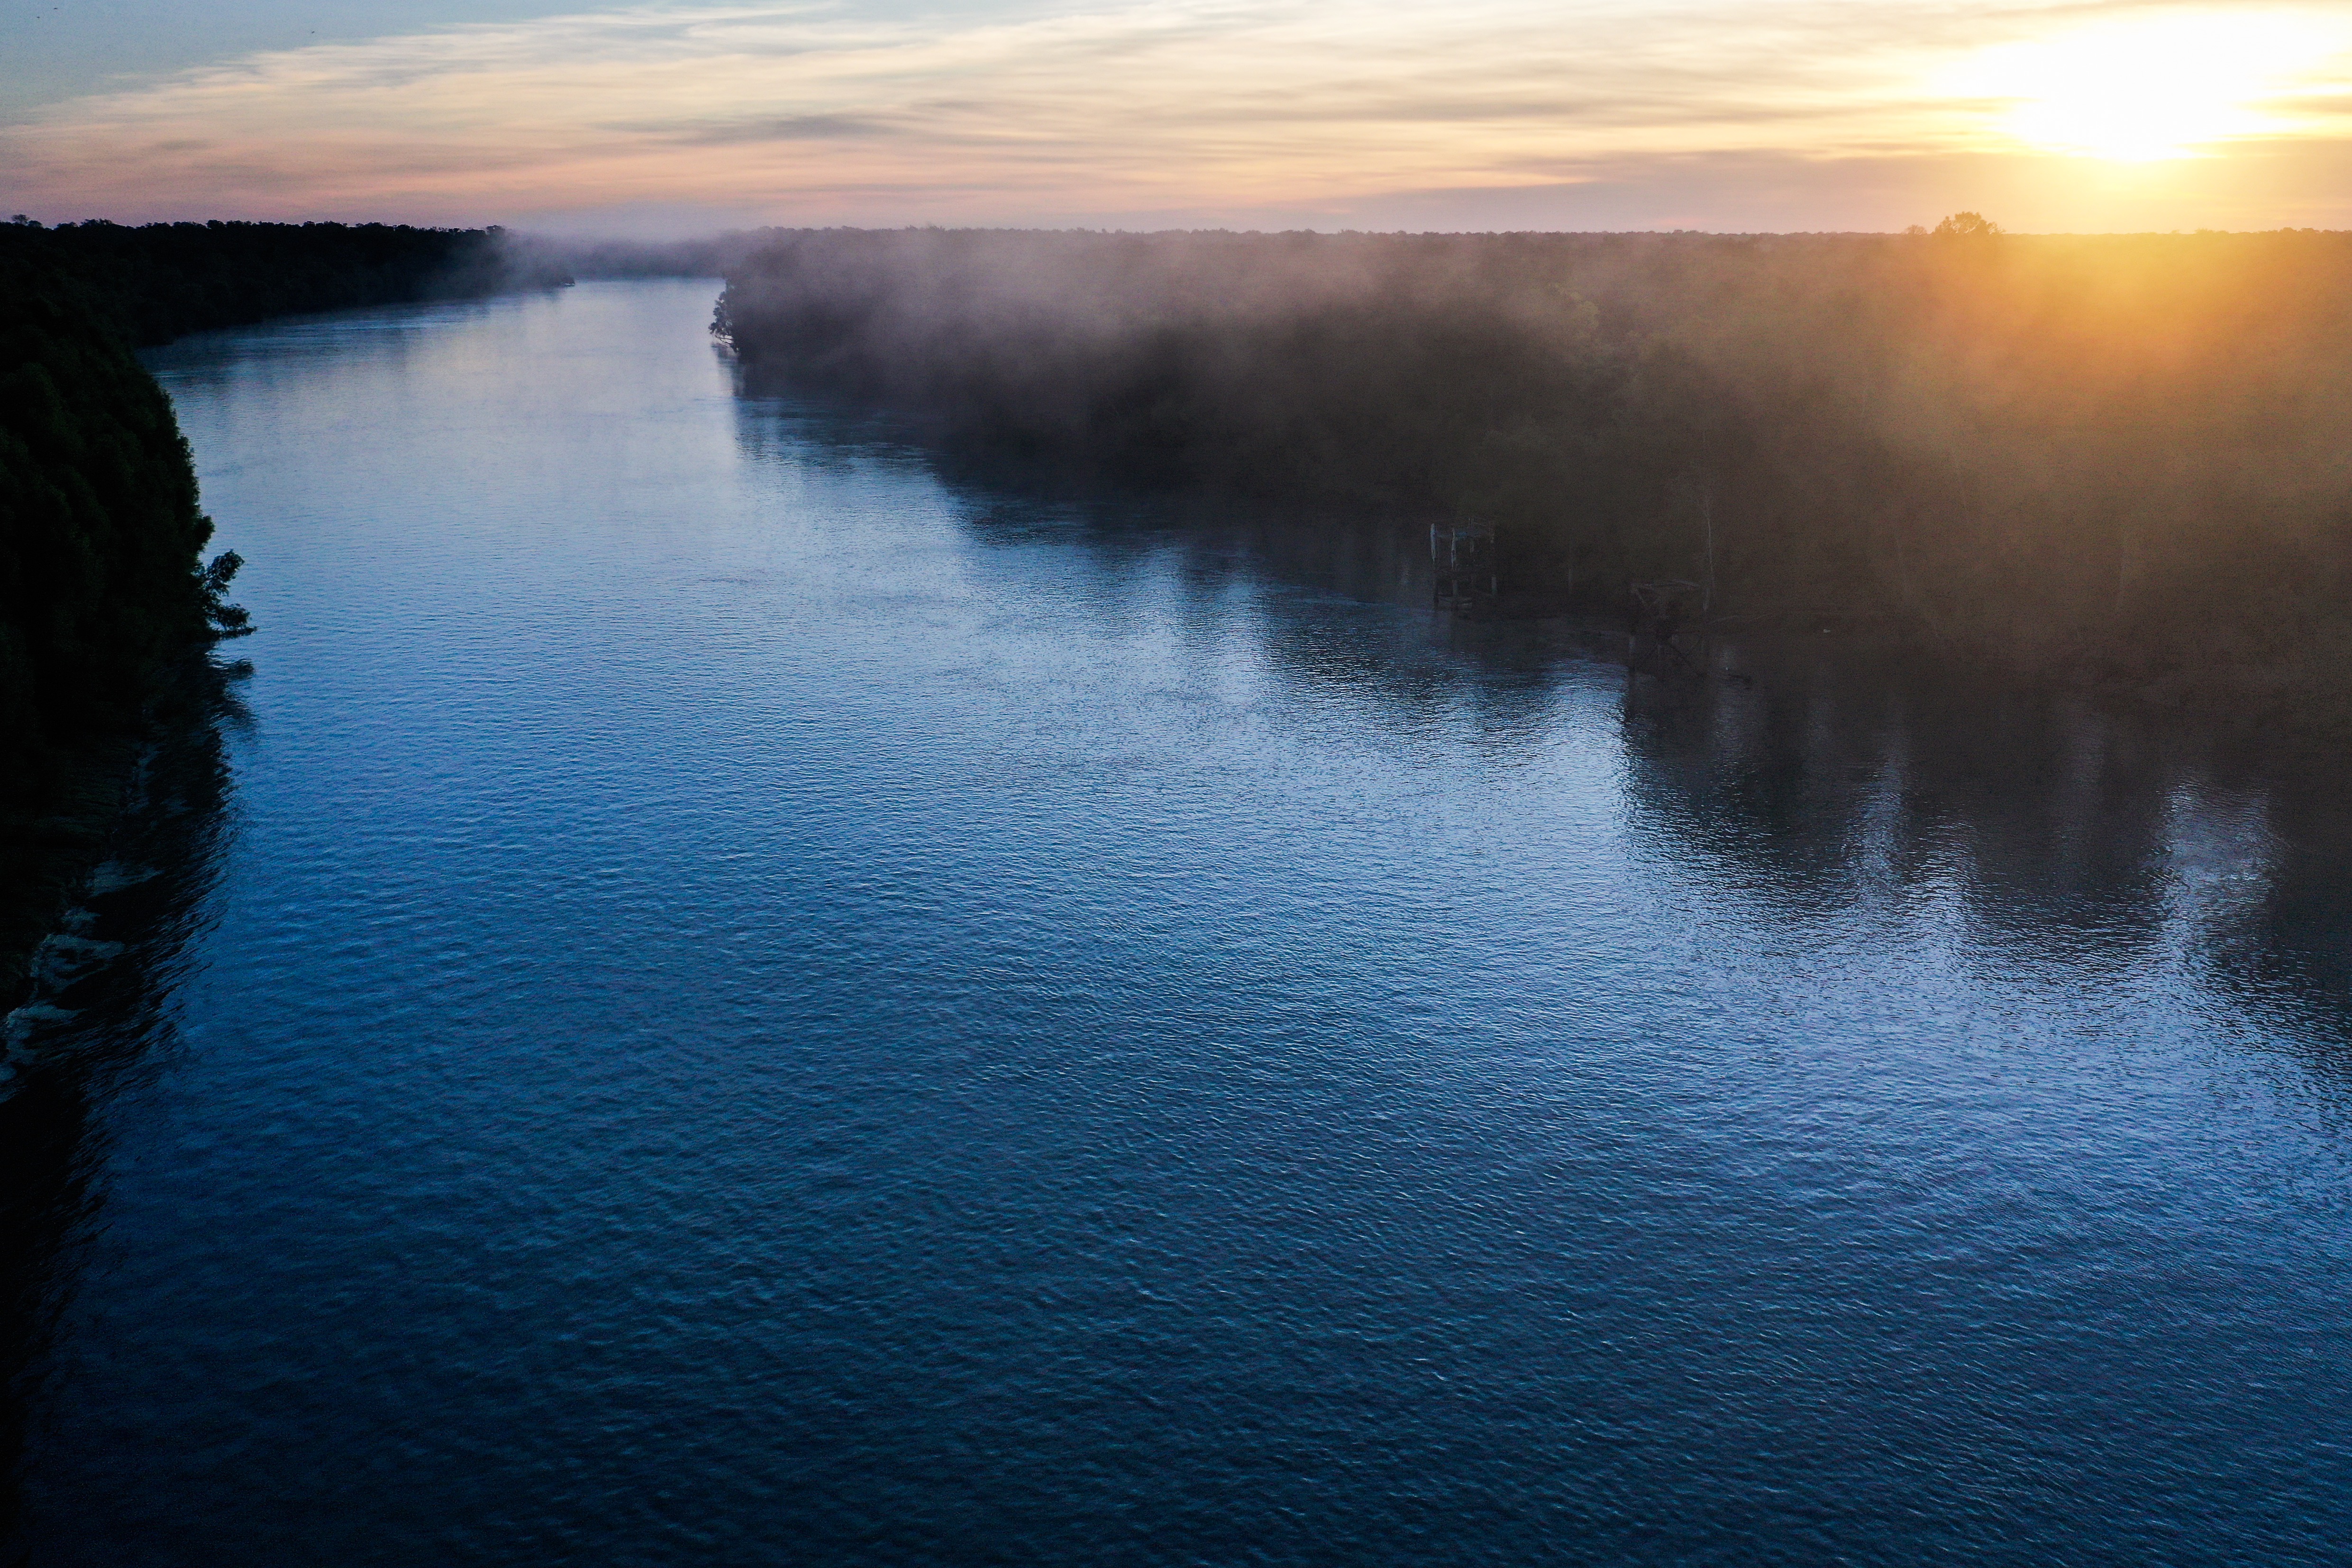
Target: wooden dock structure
<point>1465,579</point>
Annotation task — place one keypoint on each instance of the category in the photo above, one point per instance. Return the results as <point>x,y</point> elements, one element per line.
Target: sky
<point>664,120</point>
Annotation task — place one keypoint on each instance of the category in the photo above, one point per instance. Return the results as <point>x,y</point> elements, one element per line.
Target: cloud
<point>804,113</point>
<point>789,128</point>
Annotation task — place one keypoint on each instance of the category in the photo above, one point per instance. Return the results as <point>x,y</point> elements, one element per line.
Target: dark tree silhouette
<point>2114,454</point>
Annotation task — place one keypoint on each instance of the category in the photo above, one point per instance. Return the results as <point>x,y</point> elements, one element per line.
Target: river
<point>750,995</point>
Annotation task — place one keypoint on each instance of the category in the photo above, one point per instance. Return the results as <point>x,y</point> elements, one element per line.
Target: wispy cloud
<point>1168,107</point>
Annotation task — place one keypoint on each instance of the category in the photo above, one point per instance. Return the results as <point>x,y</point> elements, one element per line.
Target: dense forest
<point>163,281</point>
<point>2127,453</point>
<point>106,603</point>
<point>103,592</point>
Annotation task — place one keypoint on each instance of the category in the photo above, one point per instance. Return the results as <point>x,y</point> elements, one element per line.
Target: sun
<point>2166,87</point>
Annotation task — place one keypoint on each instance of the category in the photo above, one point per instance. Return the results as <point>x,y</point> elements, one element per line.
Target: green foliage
<point>2039,448</point>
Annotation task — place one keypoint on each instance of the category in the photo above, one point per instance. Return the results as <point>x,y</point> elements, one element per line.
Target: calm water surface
<point>752,999</point>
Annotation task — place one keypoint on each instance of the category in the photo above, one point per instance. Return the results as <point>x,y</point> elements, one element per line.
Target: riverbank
<point>2036,455</point>
<point>160,281</point>
<point>107,608</point>
<point>106,605</point>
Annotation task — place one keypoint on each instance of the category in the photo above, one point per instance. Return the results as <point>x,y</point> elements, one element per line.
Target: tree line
<point>164,281</point>
<point>107,601</point>
<point>2132,452</point>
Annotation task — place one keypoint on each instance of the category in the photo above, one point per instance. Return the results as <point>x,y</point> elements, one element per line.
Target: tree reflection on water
<point>98,1023</point>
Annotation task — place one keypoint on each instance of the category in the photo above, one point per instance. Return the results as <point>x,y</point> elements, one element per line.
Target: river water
<point>747,995</point>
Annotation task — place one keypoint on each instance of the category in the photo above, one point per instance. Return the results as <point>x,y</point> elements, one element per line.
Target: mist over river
<point>747,996</point>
